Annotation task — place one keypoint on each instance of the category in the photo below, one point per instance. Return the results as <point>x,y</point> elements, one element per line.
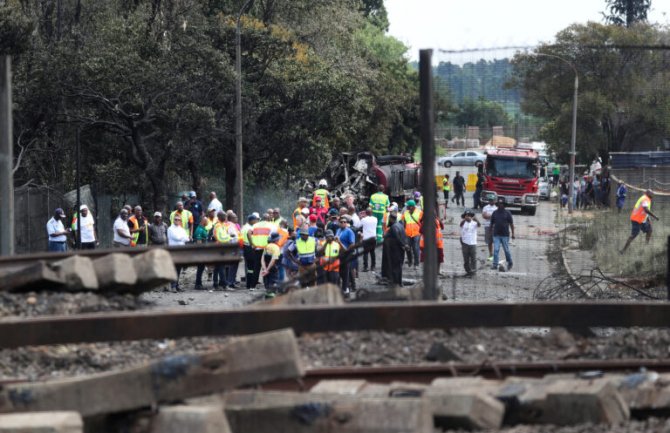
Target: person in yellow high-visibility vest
<point>186,218</point>
<point>379,202</point>
<point>323,193</point>
<point>258,236</point>
<point>446,188</point>
<point>412,219</point>
<point>639,218</point>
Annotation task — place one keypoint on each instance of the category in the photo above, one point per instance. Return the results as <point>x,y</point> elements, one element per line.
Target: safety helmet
<point>323,182</point>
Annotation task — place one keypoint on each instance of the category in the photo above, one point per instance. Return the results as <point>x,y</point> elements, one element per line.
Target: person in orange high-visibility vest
<point>639,218</point>
<point>439,240</point>
<point>139,228</point>
<point>411,218</point>
<point>329,261</point>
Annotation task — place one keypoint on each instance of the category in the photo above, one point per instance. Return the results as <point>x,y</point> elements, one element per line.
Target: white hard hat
<point>323,182</point>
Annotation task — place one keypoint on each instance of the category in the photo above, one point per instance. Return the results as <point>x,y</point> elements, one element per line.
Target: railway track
<point>181,255</point>
<point>127,326</point>
<point>490,370</point>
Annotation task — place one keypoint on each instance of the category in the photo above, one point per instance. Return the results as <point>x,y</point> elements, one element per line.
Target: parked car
<point>544,188</point>
<point>466,157</point>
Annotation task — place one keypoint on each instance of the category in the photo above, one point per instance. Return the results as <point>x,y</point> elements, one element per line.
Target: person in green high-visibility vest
<point>446,188</point>
<point>379,202</point>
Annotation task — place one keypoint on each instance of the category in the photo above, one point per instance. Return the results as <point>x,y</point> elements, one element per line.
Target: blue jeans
<point>57,246</point>
<point>497,241</point>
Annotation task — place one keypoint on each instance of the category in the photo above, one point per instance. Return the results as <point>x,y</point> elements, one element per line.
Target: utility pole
<point>239,154</point>
<point>6,159</point>
<point>430,292</point>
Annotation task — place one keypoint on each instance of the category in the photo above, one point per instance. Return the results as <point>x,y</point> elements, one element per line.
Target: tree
<point>623,95</point>
<point>482,113</point>
<point>627,12</point>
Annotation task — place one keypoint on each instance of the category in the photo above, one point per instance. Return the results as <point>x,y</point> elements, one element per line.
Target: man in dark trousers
<point>501,223</point>
<point>459,189</point>
<point>394,248</point>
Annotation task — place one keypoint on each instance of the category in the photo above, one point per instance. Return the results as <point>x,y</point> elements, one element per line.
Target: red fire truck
<point>511,174</point>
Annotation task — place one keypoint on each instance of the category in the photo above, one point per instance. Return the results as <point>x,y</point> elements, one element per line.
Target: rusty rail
<point>125,326</point>
<point>181,255</point>
<point>426,373</point>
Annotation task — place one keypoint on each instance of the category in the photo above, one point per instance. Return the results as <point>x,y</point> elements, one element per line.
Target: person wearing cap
<point>248,251</point>
<point>306,252</point>
<point>333,217</point>
<point>214,203</point>
<point>639,218</point>
<point>488,235</point>
<point>501,223</point>
<point>138,226</point>
<point>194,206</point>
<point>412,219</point>
<point>469,225</point>
<point>269,265</point>
<point>158,230</point>
<point>329,261</point>
<point>319,210</point>
<point>394,247</point>
<point>302,204</point>
<point>347,239</point>
<point>312,225</point>
<point>185,216</point>
<point>321,193</point>
<point>89,237</point>
<point>122,234</point>
<point>57,232</point>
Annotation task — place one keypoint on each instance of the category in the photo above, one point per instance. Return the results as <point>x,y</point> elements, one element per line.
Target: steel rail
<point>181,255</point>
<point>426,373</point>
<point>126,326</point>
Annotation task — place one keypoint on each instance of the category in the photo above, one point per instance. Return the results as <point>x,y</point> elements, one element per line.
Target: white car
<point>544,188</point>
<point>465,157</point>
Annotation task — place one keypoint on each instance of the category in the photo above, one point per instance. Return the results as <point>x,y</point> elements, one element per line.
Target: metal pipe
<point>6,159</point>
<point>239,154</point>
<point>428,175</point>
<point>78,179</point>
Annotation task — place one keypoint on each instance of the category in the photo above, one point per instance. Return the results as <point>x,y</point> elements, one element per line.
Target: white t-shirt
<point>469,233</point>
<point>355,220</point>
<point>121,225</point>
<point>488,209</point>
<point>87,223</point>
<point>54,226</point>
<point>215,204</point>
<point>177,235</point>
<point>369,224</point>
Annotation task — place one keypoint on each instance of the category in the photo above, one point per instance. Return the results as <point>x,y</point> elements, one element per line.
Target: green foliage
<point>623,93</point>
<point>482,113</point>
<point>151,86</point>
<point>627,12</point>
<point>15,29</point>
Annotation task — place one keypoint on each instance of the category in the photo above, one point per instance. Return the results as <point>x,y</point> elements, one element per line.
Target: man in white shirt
<point>369,226</point>
<point>57,232</point>
<point>89,238</point>
<point>121,230</point>
<point>214,202</point>
<point>488,234</point>
<point>469,226</point>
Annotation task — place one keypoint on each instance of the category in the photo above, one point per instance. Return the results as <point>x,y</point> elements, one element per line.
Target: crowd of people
<point>320,243</point>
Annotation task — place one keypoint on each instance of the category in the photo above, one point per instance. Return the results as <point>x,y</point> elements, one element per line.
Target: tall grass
<point>606,234</point>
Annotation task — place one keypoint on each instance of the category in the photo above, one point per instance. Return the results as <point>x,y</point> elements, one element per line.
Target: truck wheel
<point>531,210</point>
<point>447,164</point>
<point>478,163</point>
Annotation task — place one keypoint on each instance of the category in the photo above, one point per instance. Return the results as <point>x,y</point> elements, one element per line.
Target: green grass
<point>606,233</point>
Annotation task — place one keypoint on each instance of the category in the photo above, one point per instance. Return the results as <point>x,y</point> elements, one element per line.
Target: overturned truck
<point>359,173</point>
